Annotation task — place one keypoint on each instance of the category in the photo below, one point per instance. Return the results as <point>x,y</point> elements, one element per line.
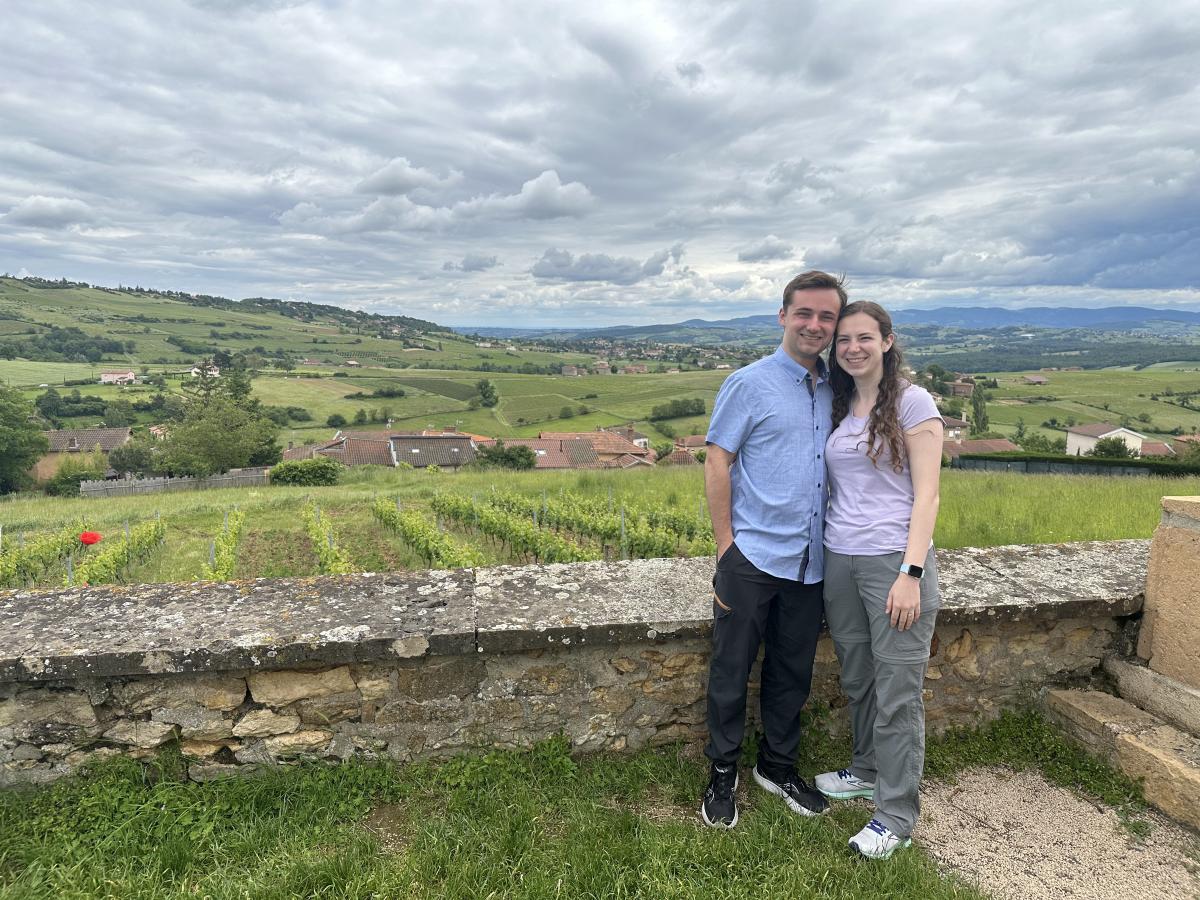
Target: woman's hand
<point>904,602</point>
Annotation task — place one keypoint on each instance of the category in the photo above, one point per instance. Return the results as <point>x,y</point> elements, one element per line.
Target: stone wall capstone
<point>417,664</point>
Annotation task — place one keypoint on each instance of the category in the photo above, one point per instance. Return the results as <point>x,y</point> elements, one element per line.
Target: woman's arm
<point>923,444</point>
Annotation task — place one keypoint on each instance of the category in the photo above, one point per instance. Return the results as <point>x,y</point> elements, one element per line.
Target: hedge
<point>1154,466</point>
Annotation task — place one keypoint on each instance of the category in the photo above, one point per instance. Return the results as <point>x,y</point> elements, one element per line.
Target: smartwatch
<point>913,570</point>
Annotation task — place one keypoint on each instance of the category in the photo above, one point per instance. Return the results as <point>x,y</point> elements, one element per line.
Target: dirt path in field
<point>1018,837</point>
<point>275,554</point>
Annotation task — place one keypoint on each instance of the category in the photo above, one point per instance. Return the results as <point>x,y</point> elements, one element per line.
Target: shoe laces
<point>722,781</point>
<point>878,827</point>
<point>844,773</point>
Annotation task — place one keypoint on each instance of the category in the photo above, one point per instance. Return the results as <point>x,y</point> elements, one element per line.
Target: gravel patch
<point>1017,836</point>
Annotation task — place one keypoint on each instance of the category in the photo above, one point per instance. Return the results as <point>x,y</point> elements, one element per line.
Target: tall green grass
<point>978,509</point>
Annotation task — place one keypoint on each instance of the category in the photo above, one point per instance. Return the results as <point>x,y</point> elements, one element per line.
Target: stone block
<point>146,735</point>
<point>264,723</point>
<point>1171,625</point>
<point>457,676</point>
<point>42,705</point>
<point>327,710</point>
<point>196,722</point>
<point>215,771</point>
<point>1177,703</point>
<point>220,692</point>
<point>281,688</point>
<point>552,679</point>
<point>1097,719</point>
<point>297,743</point>
<point>201,749</point>
<point>375,682</point>
<point>1168,762</point>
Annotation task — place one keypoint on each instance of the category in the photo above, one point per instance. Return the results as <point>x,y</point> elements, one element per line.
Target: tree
<point>488,396</point>
<point>360,417</point>
<point>337,420</point>
<point>663,450</point>
<point>499,456</point>
<point>224,428</point>
<point>566,413</point>
<point>979,416</point>
<point>1112,448</point>
<point>119,413</point>
<point>134,457</point>
<point>1020,434</point>
<point>21,440</point>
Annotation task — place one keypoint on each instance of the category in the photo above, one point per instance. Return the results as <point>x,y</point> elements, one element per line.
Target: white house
<point>210,370</point>
<point>1082,438</point>
<point>117,378</point>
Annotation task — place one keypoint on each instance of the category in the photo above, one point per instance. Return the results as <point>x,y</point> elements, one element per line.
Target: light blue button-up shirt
<point>776,417</point>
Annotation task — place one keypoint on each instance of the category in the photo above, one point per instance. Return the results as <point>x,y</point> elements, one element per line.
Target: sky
<point>542,163</point>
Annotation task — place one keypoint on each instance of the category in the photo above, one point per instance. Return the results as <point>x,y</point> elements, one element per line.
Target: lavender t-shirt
<point>870,506</point>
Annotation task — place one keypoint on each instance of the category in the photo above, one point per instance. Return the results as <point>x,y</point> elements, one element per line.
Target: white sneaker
<point>841,785</point>
<point>876,841</point>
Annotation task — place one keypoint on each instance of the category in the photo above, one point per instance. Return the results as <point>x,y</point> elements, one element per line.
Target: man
<point>764,476</point>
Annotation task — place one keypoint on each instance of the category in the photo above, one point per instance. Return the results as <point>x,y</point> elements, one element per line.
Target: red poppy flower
<point>89,537</point>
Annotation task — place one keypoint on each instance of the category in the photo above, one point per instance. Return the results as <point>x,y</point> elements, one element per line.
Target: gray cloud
<point>472,262</point>
<point>769,248</point>
<point>561,265</point>
<point>344,152</point>
<point>48,212</point>
<point>400,177</point>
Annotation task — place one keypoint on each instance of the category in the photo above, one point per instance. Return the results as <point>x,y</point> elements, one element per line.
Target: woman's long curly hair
<point>885,415</point>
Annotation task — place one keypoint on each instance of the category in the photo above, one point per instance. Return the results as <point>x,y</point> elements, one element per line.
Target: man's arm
<point>717,461</point>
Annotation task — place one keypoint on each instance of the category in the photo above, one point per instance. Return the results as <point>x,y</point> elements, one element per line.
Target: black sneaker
<point>719,808</point>
<point>795,792</point>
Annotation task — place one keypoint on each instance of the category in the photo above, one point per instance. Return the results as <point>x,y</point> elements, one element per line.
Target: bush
<point>320,470</point>
<point>337,420</point>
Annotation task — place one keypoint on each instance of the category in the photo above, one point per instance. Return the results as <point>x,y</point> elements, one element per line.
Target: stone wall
<point>410,665</point>
<point>1172,631</point>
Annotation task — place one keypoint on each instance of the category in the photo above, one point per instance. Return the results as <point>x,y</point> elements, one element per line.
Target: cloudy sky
<point>536,162</point>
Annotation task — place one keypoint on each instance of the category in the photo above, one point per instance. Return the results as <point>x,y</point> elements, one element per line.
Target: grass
<point>978,509</point>
<point>539,824</point>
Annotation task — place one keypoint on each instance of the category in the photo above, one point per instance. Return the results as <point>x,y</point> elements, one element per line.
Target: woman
<point>881,599</point>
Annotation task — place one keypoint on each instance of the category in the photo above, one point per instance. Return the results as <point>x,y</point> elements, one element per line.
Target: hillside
<point>68,322</point>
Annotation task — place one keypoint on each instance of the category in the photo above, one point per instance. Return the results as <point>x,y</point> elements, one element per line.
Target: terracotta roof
<point>568,454</point>
<point>420,451</point>
<point>996,445</point>
<point>625,461</point>
<point>1155,448</point>
<point>679,458</point>
<point>604,442</point>
<point>357,452</point>
<point>1188,439</point>
<point>84,440</point>
<point>298,453</point>
<point>952,422</point>
<point>693,441</point>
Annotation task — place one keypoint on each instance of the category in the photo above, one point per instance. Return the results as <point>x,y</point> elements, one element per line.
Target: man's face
<point>809,322</point>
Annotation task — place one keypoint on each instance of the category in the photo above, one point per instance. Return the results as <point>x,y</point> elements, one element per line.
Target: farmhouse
<point>1035,379</point>
<point>570,453</point>
<point>118,378</point>
<point>1082,439</point>
<point>960,388</point>
<point>210,370</point>
<point>570,370</point>
<point>955,428</point>
<point>68,441</point>
<point>608,445</point>
<point>679,457</point>
<point>602,368</point>
<point>630,434</point>
<point>691,442</point>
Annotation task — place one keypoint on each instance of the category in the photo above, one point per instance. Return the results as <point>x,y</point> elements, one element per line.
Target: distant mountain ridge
<point>1106,318</point>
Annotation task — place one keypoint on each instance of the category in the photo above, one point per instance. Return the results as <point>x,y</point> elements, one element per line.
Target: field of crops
<point>385,520</point>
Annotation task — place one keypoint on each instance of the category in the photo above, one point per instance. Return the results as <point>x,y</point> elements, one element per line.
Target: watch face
<point>914,571</point>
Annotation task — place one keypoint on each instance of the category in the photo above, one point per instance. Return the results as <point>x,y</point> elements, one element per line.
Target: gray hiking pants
<point>883,671</point>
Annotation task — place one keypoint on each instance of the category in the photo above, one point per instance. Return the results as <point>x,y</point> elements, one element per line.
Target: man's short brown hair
<point>815,280</point>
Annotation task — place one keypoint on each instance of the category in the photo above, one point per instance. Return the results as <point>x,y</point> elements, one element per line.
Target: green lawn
<point>537,824</point>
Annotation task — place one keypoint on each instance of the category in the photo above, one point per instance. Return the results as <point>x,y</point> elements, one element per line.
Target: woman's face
<point>860,347</point>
